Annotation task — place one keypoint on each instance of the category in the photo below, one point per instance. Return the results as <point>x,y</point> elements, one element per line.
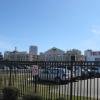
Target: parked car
<point>54,74</point>
<point>92,72</point>
<point>97,71</point>
<point>81,72</point>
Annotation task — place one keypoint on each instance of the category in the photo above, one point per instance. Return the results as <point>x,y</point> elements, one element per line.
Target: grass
<point>25,87</point>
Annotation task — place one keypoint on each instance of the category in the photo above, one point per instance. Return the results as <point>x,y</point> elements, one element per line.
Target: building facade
<point>33,53</point>
<point>53,54</point>
<point>1,56</point>
<point>74,52</point>
<point>92,55</point>
<point>16,56</point>
<point>33,50</point>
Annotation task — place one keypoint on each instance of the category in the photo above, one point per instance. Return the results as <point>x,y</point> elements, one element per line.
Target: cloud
<point>96,30</point>
<point>93,40</point>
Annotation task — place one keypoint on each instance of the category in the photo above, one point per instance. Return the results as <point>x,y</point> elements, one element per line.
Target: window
<point>94,53</point>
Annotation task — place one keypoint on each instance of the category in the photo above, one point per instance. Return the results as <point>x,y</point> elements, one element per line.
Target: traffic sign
<point>35,70</point>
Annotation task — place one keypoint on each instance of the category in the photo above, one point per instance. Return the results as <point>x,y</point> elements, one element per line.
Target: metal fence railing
<point>75,80</point>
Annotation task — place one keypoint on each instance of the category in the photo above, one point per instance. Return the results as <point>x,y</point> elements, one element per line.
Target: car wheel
<point>38,78</point>
<point>57,79</point>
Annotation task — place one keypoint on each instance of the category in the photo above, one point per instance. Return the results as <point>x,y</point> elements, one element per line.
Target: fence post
<point>71,83</point>
<point>35,83</point>
<point>35,75</point>
<point>10,76</point>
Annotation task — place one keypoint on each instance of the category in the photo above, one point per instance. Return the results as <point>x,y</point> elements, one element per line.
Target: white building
<point>92,55</point>
<point>53,54</point>
<point>74,52</point>
<point>16,56</point>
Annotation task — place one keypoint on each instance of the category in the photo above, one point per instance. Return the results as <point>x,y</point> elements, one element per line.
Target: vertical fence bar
<point>71,83</point>
<point>80,71</point>
<point>97,83</point>
<point>90,82</point>
<point>97,87</point>
<point>35,83</point>
<point>10,75</point>
<point>87,78</point>
<point>65,86</point>
<point>84,64</point>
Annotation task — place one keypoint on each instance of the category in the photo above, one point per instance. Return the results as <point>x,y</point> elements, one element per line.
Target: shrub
<point>32,97</point>
<point>61,98</point>
<point>10,93</point>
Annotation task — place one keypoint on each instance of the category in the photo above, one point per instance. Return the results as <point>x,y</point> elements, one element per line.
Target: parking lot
<point>54,80</point>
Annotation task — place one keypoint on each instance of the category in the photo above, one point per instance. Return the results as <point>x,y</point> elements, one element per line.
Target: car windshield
<point>57,71</point>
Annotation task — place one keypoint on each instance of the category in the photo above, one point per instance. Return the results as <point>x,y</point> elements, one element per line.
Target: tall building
<point>33,53</point>
<point>33,50</point>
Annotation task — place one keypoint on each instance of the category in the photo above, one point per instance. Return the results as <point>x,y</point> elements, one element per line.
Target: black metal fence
<point>75,80</point>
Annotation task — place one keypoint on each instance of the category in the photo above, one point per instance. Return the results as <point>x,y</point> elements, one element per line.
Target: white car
<point>54,74</point>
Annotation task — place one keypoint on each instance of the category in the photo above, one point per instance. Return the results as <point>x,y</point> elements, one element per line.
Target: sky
<point>65,24</point>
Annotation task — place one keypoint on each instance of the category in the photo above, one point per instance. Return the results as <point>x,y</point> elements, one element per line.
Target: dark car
<point>89,72</point>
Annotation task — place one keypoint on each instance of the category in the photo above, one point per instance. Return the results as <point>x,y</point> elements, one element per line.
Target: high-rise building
<point>33,50</point>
